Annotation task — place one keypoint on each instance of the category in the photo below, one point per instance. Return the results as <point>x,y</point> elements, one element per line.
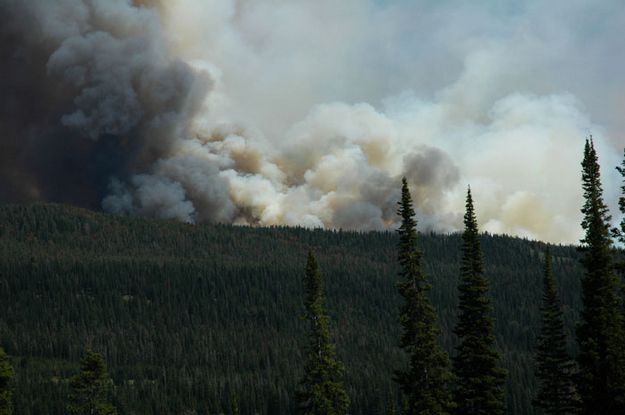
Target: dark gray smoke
<point>99,114</point>
<point>89,93</point>
<point>245,112</point>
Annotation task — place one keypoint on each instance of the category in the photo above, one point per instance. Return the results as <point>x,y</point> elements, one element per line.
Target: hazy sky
<point>310,111</point>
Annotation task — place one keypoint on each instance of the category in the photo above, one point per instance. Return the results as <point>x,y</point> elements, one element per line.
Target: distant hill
<point>188,316</point>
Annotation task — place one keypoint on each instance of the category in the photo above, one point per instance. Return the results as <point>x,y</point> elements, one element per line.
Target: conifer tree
<point>425,383</point>
<point>601,359</point>
<point>321,391</point>
<point>621,201</point>
<point>619,234</point>
<point>89,389</point>
<point>6,375</point>
<point>479,379</point>
<point>554,367</point>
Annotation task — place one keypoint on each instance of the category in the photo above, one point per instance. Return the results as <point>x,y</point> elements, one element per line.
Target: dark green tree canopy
<point>480,380</point>
<point>321,391</point>
<point>6,375</point>
<point>601,359</point>
<point>134,287</point>
<point>425,383</point>
<point>90,388</point>
<point>554,367</point>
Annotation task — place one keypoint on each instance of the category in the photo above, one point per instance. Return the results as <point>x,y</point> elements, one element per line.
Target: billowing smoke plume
<point>89,93</point>
<point>307,113</point>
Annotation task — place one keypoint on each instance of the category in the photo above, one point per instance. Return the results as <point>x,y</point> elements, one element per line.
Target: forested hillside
<point>189,317</point>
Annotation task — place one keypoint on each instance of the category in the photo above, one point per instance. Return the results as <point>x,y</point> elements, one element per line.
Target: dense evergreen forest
<point>192,317</point>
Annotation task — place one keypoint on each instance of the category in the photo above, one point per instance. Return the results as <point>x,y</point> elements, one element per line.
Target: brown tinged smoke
<point>99,112</point>
<point>227,111</point>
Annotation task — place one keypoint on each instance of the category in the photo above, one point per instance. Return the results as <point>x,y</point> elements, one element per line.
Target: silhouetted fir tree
<point>479,379</point>
<point>89,389</point>
<point>621,201</point>
<point>6,375</point>
<point>601,359</point>
<point>619,233</point>
<point>321,391</point>
<point>425,383</point>
<point>554,367</point>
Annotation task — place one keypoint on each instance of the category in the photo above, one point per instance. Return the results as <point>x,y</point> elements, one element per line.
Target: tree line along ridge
<point>203,319</point>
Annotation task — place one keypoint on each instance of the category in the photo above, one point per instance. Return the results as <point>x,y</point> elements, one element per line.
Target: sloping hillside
<point>190,316</point>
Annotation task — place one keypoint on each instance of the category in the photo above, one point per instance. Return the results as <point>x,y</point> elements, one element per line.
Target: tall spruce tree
<point>6,375</point>
<point>621,201</point>
<point>554,367</point>
<point>479,379</point>
<point>90,388</point>
<point>425,383</point>
<point>600,333</point>
<point>619,233</point>
<point>321,391</point>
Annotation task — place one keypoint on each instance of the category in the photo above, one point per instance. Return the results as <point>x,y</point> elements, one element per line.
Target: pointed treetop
<point>596,215</point>
<point>425,379</point>
<point>620,233</point>
<point>590,143</point>
<point>600,334</point>
<point>470,220</point>
<point>321,391</point>
<point>469,197</point>
<point>408,229</point>
<point>479,378</point>
<point>406,210</point>
<point>89,390</point>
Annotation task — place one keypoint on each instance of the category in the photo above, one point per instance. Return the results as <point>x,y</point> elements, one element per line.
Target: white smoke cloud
<point>308,113</point>
<point>483,101</point>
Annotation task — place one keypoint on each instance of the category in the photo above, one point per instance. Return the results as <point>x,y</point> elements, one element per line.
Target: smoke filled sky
<point>308,113</point>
